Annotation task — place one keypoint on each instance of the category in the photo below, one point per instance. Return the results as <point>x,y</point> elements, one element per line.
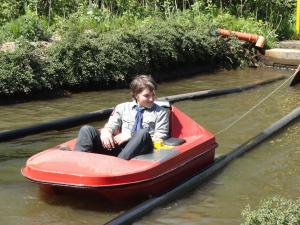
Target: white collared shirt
<point>155,119</point>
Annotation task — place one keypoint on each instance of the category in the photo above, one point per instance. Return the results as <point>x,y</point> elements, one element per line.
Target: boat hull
<point>139,190</point>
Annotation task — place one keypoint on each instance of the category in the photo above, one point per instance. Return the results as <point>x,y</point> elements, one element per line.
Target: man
<point>131,127</point>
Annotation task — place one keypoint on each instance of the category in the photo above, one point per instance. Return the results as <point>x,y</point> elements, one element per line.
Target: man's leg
<point>88,140</point>
<point>140,143</point>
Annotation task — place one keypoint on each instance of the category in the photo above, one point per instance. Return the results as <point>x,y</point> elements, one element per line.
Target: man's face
<point>145,98</point>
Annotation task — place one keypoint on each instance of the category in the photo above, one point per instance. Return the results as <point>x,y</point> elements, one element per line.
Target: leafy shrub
<point>10,10</point>
<point>29,27</point>
<point>278,14</point>
<point>248,25</point>
<point>23,72</point>
<point>103,59</point>
<point>84,60</point>
<point>97,20</point>
<point>276,210</point>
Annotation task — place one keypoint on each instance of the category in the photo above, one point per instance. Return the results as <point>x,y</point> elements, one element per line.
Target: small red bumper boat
<point>115,178</point>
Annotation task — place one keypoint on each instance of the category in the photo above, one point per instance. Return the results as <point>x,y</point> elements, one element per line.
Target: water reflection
<point>83,200</point>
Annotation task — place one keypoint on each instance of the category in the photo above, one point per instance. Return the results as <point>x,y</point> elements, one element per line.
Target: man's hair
<point>142,82</point>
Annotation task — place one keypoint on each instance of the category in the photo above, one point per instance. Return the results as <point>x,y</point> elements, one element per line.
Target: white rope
<point>255,106</point>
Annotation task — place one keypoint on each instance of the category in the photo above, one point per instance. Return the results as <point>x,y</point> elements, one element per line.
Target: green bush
<point>105,15</point>
<point>274,211</point>
<point>84,60</point>
<point>23,72</point>
<point>248,25</point>
<point>97,20</point>
<point>10,10</point>
<point>29,27</point>
<point>278,14</point>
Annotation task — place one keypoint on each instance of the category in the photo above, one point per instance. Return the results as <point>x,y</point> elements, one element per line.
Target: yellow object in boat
<point>160,145</point>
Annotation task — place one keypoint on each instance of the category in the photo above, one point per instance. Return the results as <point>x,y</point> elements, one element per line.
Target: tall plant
<point>10,10</point>
<point>278,13</point>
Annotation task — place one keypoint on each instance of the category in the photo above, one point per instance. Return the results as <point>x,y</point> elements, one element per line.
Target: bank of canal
<point>271,169</point>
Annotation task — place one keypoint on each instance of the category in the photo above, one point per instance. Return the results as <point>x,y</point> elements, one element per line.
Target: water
<point>270,169</point>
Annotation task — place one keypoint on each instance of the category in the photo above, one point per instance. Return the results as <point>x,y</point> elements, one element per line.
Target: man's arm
<point>161,125</point>
<point>114,123</point>
<point>115,120</point>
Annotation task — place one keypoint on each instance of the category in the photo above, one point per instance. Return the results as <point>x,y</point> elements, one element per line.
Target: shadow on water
<point>91,201</point>
<point>85,200</point>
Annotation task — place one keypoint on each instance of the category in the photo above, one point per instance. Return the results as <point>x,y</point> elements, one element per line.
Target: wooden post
<point>298,17</point>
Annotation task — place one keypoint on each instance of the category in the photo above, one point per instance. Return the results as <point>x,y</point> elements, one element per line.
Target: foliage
<point>104,15</point>
<point>248,25</point>
<point>64,8</point>
<point>276,210</point>
<point>97,60</point>
<point>29,27</point>
<point>10,10</point>
<point>279,14</point>
<point>104,58</point>
<point>23,71</point>
<point>96,20</point>
<point>105,43</point>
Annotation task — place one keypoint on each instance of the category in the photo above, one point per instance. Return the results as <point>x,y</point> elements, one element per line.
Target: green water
<point>270,169</point>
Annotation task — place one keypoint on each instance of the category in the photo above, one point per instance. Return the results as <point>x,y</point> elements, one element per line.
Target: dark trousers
<point>89,141</point>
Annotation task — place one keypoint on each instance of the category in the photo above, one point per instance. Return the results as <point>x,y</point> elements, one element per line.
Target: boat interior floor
<point>158,155</point>
<point>162,154</point>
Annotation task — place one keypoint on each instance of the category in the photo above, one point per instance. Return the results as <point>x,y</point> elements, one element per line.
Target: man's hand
<point>107,138</point>
<point>121,138</point>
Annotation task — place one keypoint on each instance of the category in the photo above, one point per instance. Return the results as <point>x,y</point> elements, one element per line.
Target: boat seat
<point>172,141</point>
<point>164,104</point>
<point>158,155</point>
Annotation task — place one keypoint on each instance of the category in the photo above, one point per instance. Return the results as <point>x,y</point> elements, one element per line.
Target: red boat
<point>115,178</point>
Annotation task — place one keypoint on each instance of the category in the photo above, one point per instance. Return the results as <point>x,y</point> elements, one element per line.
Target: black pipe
<point>217,92</point>
<point>103,114</point>
<point>145,207</point>
<point>55,125</point>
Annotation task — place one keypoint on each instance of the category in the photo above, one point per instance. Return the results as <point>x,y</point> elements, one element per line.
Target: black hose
<point>103,114</point>
<point>145,207</point>
<point>217,92</point>
<point>55,125</point>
